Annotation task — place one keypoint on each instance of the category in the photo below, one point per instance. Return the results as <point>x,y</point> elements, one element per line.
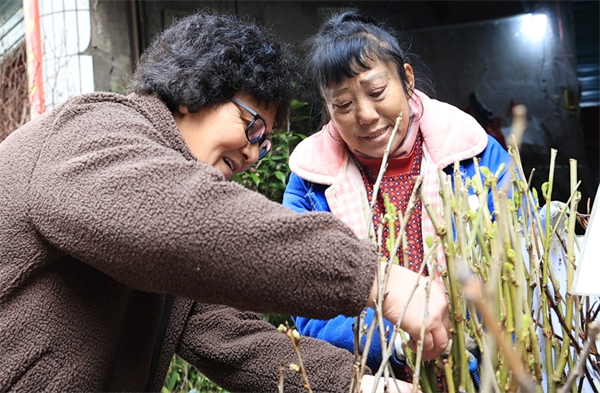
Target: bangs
<point>347,58</point>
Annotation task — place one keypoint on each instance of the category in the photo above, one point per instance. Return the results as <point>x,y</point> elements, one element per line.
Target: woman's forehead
<point>377,70</point>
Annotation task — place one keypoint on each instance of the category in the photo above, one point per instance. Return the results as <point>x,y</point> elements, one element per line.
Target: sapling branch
<point>472,290</point>
<point>384,161</point>
<point>382,169</point>
<point>294,337</point>
<point>386,353</point>
<point>593,331</point>
<point>422,333</point>
<point>281,378</point>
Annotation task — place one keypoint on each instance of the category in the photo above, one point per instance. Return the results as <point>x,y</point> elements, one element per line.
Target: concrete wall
<point>291,20</point>
<point>492,58</point>
<point>294,20</point>
<point>498,62</point>
<point>113,45</point>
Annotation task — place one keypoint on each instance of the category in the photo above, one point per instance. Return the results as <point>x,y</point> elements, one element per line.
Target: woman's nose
<point>250,152</point>
<point>366,112</point>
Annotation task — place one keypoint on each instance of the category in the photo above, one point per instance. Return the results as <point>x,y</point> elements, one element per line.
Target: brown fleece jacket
<point>104,210</point>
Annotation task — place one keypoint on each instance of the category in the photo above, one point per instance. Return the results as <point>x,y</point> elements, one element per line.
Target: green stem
<point>547,329</point>
<point>509,325</point>
<point>535,349</point>
<point>449,377</point>
<point>564,353</point>
<point>458,344</point>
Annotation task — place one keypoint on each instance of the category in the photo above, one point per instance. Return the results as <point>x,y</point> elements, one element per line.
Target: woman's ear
<point>410,78</point>
<point>180,114</point>
<point>183,110</point>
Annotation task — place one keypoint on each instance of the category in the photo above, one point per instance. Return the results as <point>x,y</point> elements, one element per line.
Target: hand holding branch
<point>397,298</point>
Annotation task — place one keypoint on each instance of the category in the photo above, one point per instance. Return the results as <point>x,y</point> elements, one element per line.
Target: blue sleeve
<point>303,196</point>
<point>339,331</point>
<point>492,157</point>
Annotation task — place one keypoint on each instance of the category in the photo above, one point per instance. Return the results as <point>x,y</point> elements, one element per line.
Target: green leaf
<point>500,169</point>
<point>254,178</point>
<point>172,380</point>
<point>295,104</point>
<point>281,176</point>
<point>429,241</point>
<point>486,172</point>
<point>535,195</point>
<point>545,188</point>
<point>511,254</point>
<point>298,119</point>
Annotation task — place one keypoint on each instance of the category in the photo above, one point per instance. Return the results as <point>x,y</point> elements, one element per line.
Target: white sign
<point>587,275</point>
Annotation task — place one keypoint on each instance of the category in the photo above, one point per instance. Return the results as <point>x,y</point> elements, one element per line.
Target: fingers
<point>435,342</point>
<point>429,348</point>
<point>440,328</point>
<point>433,353</point>
<point>440,338</point>
<point>437,326</point>
<point>428,343</point>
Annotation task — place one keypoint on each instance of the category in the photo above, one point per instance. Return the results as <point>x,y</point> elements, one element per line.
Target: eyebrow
<point>367,80</point>
<point>245,115</point>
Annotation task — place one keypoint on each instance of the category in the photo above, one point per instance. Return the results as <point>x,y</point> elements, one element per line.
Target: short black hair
<point>202,60</point>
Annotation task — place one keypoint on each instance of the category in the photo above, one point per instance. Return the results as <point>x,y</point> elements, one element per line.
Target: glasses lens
<point>264,148</point>
<point>256,130</point>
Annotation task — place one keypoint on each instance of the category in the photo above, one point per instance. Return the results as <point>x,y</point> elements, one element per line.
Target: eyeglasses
<point>256,132</point>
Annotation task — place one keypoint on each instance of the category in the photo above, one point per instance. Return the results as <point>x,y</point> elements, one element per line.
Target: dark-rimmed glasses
<point>256,131</point>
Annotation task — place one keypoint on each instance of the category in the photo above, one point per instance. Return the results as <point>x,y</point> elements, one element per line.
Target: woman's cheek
<point>347,120</point>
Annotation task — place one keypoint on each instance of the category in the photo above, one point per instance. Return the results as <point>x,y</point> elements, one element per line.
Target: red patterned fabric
<point>398,184</point>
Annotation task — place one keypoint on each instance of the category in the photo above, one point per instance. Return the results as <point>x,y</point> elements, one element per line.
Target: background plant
<point>182,377</point>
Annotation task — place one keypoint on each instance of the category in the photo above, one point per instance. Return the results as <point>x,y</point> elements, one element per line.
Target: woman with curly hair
<point>122,241</point>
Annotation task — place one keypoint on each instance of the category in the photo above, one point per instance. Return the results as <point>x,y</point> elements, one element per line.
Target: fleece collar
<point>449,135</point>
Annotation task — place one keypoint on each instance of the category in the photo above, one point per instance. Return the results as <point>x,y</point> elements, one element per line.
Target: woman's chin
<point>374,150</point>
<point>226,171</point>
<point>368,153</point>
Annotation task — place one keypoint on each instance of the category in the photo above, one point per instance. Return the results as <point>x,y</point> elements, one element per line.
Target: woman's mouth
<point>229,164</point>
<point>376,134</point>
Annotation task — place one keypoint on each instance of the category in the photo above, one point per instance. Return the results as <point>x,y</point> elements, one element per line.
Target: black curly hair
<point>203,59</point>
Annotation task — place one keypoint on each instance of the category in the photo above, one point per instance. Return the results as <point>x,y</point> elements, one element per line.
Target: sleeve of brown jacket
<point>241,352</point>
<point>116,187</point>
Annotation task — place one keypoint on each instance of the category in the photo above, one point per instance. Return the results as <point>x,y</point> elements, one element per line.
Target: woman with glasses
<point>365,81</point>
<point>122,241</point>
